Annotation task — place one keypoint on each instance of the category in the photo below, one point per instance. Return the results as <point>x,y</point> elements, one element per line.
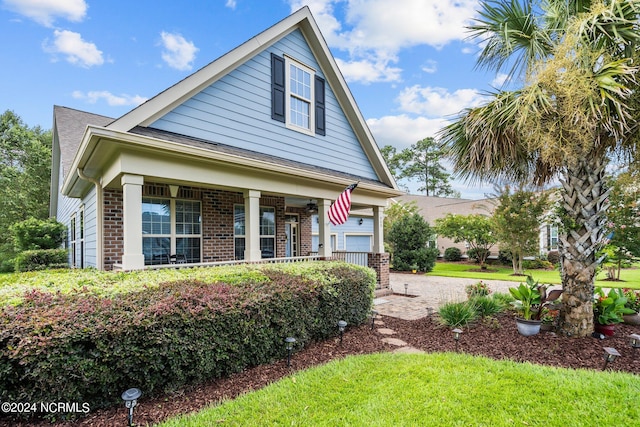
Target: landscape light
<point>634,340</point>
<point>289,345</point>
<point>130,398</point>
<point>610,354</point>
<point>406,287</point>
<point>456,336</point>
<point>374,313</point>
<point>341,325</point>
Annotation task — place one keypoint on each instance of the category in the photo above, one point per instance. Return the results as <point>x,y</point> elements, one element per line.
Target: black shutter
<point>277,88</point>
<point>320,116</point>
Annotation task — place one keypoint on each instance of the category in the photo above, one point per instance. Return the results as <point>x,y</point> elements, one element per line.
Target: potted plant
<point>633,302</point>
<point>608,310</point>
<point>530,299</point>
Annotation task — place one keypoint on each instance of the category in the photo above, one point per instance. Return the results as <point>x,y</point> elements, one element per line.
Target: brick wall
<point>113,235</point>
<point>380,263</point>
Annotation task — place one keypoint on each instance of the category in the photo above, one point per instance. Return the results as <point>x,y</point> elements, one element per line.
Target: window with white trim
<point>267,231</point>
<point>171,231</point>
<point>299,95</point>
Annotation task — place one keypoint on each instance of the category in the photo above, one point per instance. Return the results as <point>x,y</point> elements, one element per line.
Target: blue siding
<point>236,110</point>
<point>350,236</point>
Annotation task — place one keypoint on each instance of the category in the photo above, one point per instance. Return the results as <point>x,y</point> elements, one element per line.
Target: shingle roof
<point>69,126</point>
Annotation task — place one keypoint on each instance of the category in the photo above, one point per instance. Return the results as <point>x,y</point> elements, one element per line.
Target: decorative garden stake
<point>289,344</point>
<point>130,398</point>
<point>610,354</point>
<point>456,336</point>
<point>634,340</point>
<point>341,325</point>
<point>374,313</point>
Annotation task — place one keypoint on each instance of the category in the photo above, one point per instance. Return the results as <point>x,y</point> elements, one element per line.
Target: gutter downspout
<point>99,218</point>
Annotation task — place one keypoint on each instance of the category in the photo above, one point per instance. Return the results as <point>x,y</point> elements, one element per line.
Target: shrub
<point>85,348</point>
<point>536,264</point>
<point>452,254</point>
<point>553,257</point>
<point>457,314</point>
<point>409,236</point>
<point>505,256</point>
<point>505,299</point>
<point>487,306</point>
<point>479,289</point>
<point>33,233</point>
<point>41,259</point>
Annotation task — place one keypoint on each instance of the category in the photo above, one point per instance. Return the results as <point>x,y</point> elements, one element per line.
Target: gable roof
<point>69,126</point>
<point>302,20</point>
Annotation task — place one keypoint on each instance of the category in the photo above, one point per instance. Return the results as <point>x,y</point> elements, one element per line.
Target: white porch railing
<point>234,262</point>
<point>358,258</point>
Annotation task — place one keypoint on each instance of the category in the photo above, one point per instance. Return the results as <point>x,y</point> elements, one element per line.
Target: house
<point>432,208</point>
<point>231,163</point>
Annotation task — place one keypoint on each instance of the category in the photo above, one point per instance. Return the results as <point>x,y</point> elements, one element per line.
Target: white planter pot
<point>528,327</point>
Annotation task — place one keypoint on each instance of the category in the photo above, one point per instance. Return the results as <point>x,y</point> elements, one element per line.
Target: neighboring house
<point>224,164</point>
<point>432,208</point>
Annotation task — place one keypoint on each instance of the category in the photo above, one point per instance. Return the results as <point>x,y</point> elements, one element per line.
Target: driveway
<point>427,293</point>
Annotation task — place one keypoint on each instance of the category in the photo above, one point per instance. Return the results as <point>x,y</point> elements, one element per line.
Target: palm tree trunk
<point>584,202</point>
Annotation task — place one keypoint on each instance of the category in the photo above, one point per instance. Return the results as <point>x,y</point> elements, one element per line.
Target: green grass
<point>441,389</point>
<point>631,276</point>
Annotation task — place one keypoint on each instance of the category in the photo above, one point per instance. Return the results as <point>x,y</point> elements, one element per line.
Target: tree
<point>517,219</point>
<point>394,213</point>
<point>623,241</point>
<point>421,161</point>
<point>25,175</point>
<point>578,104</point>
<point>476,230</point>
<point>410,236</point>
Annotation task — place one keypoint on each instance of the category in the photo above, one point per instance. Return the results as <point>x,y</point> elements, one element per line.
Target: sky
<point>409,63</point>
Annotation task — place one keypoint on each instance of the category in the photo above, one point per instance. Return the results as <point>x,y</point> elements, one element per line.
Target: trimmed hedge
<point>452,254</point>
<point>85,348</point>
<point>40,259</point>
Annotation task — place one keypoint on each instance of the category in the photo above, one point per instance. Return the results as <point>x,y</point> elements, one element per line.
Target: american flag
<point>339,210</point>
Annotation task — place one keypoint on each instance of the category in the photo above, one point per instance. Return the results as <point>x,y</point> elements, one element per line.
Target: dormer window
<point>297,96</point>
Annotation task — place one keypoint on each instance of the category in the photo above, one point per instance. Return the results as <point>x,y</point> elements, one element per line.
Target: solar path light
<point>130,398</point>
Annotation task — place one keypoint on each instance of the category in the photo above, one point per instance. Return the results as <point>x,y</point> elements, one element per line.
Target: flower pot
<point>631,319</point>
<point>528,327</point>
<point>607,330</point>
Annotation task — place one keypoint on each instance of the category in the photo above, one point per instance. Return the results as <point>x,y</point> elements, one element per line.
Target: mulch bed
<point>497,338</point>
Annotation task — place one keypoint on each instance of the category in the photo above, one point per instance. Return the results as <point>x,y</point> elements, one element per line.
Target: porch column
<point>252,225</point>
<point>378,229</point>
<point>132,257</point>
<point>324,229</point>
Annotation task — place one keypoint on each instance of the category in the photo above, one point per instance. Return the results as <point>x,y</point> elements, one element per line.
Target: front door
<point>293,238</point>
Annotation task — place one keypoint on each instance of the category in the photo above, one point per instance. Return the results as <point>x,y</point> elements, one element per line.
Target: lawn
<point>438,389</point>
<point>630,276</point>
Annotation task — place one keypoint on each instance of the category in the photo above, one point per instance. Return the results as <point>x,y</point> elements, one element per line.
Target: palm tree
<point>576,108</point>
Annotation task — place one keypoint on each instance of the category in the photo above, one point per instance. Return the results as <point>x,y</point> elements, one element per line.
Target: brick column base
<point>380,263</point>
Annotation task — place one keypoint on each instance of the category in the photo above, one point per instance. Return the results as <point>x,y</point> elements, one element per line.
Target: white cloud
<point>500,80</point>
<point>112,100</point>
<point>231,4</point>
<point>438,102</point>
<point>366,72</point>
<point>178,53</point>
<point>375,31</point>
<point>45,12</point>
<point>402,131</point>
<point>74,48</point>
<point>430,66</point>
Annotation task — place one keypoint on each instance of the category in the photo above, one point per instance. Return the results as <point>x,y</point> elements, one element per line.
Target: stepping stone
<point>378,322</point>
<point>394,341</point>
<point>386,331</point>
<point>408,350</point>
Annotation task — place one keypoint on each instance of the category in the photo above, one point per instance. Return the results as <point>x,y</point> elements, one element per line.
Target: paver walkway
<point>426,293</point>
